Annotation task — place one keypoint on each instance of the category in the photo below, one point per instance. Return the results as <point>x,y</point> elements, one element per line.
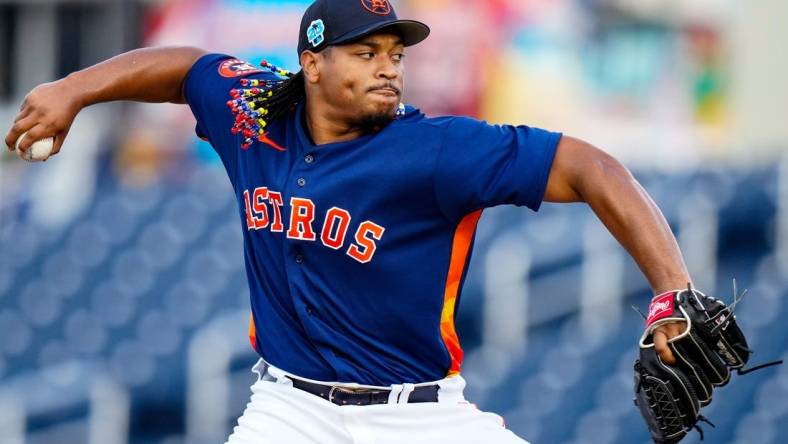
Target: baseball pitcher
<point>359,214</point>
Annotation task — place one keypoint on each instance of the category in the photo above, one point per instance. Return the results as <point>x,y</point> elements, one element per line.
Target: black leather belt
<point>361,396</point>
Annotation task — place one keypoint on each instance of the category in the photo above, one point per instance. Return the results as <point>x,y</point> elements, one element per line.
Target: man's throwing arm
<point>153,75</point>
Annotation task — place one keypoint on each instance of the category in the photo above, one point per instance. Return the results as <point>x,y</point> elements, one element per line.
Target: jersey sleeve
<point>481,165</point>
<point>207,89</point>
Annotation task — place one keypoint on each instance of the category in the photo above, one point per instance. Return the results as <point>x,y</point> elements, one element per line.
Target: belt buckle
<point>334,388</point>
<point>331,394</point>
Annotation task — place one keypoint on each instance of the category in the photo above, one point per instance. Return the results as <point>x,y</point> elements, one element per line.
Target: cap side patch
<point>316,32</point>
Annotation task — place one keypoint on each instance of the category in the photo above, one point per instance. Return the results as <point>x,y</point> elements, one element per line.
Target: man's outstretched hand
<point>47,111</point>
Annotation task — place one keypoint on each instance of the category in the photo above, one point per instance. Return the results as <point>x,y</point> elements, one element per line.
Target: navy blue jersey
<point>356,251</point>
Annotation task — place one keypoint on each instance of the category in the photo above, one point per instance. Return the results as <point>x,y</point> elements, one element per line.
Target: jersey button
<point>299,259</point>
<point>301,181</point>
<point>309,158</point>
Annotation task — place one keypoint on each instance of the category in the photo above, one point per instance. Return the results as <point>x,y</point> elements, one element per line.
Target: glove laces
<point>729,310</point>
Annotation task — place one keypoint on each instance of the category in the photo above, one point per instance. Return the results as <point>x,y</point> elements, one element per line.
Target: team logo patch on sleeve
<point>236,68</point>
<point>380,7</point>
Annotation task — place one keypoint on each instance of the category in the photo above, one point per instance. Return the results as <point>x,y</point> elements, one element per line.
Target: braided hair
<point>260,102</point>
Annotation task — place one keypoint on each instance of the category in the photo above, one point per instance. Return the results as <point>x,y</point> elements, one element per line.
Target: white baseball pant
<point>281,414</point>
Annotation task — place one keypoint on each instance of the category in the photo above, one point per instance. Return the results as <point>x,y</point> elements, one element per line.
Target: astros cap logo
<point>380,7</point>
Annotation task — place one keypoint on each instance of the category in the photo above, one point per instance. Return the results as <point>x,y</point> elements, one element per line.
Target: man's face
<point>364,80</point>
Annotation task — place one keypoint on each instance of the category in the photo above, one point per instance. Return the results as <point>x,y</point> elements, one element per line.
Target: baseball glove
<point>670,397</point>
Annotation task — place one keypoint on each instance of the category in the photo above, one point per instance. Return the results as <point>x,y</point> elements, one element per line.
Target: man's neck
<point>323,129</point>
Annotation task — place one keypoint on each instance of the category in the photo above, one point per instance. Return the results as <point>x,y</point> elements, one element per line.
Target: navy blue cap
<point>334,22</point>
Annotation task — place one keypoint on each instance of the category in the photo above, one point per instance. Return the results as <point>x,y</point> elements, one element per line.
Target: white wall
<point>759,76</point>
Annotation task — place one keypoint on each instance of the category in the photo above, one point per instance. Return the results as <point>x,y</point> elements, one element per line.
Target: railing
<point>56,389</point>
<point>211,352</point>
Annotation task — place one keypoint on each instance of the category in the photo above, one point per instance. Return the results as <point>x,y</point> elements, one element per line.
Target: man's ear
<point>310,64</point>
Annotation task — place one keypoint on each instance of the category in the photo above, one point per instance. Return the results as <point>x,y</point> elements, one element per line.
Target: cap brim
<point>412,32</point>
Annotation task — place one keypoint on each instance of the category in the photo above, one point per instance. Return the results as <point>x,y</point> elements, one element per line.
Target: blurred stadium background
<point>123,300</point>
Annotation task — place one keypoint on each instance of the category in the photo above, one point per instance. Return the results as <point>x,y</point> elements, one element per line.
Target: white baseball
<point>39,151</point>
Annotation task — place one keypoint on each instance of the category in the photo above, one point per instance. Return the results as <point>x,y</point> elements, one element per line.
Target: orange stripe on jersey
<point>461,246</point>
<point>252,332</point>
<point>264,138</point>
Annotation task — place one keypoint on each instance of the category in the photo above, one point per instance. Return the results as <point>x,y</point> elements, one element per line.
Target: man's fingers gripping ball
<point>46,116</point>
<point>24,121</point>
<point>20,126</point>
<point>38,151</point>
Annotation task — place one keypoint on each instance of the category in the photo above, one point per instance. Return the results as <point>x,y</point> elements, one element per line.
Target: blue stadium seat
<point>84,333</point>
<point>598,426</point>
<point>187,303</point>
<point>158,333</point>
<point>163,242</point>
<point>755,428</point>
<point>132,364</point>
<point>540,396</point>
<point>89,243</point>
<point>113,303</point>
<point>59,271</point>
<point>16,332</point>
<point>41,302</point>
<point>133,268</point>
<point>22,245</point>
<point>7,276</point>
